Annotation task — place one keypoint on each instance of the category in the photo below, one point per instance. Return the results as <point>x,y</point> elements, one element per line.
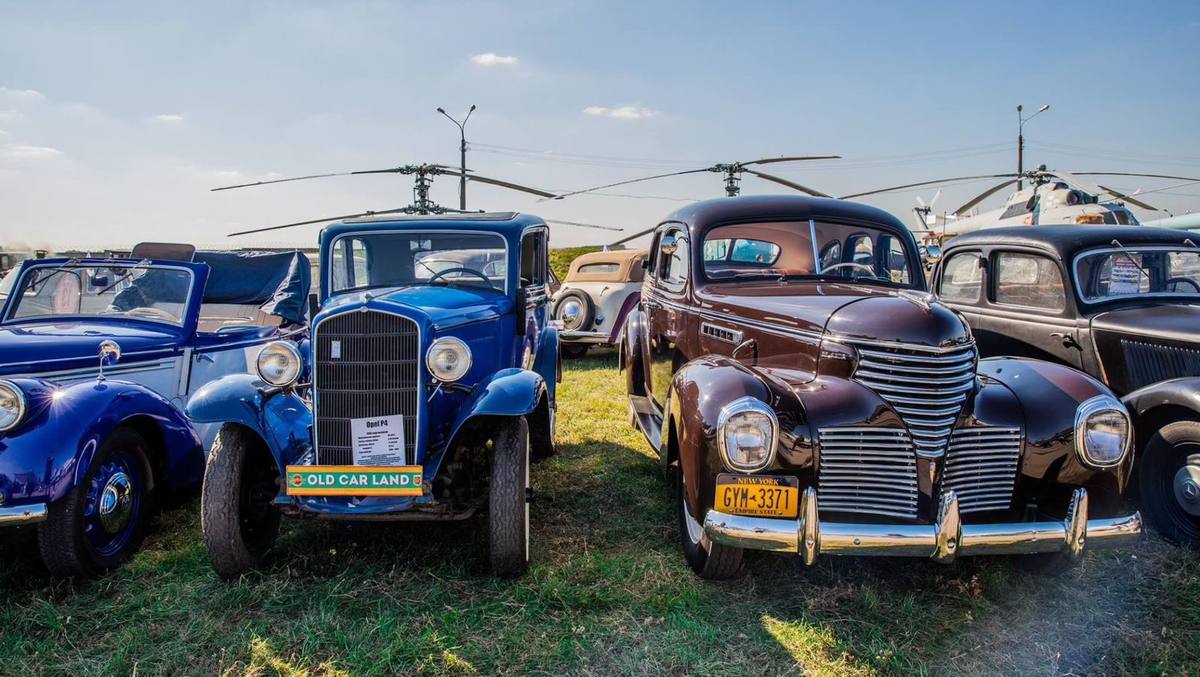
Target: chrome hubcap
<point>116,503</point>
<point>1187,489</point>
<point>571,312</point>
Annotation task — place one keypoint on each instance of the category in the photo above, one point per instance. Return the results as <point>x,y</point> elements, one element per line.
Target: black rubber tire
<point>240,525</point>
<point>508,499</point>
<point>573,351</point>
<point>542,435</point>
<point>63,545</point>
<point>710,561</point>
<point>1171,447</point>
<point>589,308</point>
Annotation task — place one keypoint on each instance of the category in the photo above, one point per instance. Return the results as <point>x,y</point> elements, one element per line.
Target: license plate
<point>758,495</point>
<point>354,480</point>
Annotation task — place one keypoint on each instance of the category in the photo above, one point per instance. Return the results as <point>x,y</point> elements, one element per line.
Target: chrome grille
<point>867,470</point>
<point>366,365</point>
<point>981,467</point>
<point>927,387</point>
<point>1149,363</point>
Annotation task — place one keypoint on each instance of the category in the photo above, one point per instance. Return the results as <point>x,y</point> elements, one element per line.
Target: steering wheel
<point>470,271</point>
<point>1171,282</point>
<point>155,313</point>
<point>852,264</point>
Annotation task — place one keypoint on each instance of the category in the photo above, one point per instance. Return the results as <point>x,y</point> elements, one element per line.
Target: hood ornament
<point>922,299</point>
<point>109,352</point>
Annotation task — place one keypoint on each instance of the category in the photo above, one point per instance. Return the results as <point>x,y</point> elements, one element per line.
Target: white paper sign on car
<point>378,440</point>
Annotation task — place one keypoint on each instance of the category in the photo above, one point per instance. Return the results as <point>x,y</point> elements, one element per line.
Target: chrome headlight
<point>747,434</point>
<point>12,405</point>
<point>1103,432</point>
<point>448,359</point>
<point>279,364</point>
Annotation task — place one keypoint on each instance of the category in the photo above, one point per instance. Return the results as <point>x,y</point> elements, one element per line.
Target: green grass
<point>608,594</point>
<point>560,259</point>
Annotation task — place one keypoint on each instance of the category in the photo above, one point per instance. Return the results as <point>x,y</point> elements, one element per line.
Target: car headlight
<point>1103,432</point>
<point>747,432</point>
<point>448,359</point>
<point>12,405</point>
<point>279,364</point>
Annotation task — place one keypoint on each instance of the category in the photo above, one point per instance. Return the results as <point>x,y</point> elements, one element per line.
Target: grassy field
<point>608,594</point>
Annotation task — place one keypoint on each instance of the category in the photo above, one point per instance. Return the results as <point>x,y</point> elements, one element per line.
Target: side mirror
<point>519,310</point>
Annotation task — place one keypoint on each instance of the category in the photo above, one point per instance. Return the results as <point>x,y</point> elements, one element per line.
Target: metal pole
<point>462,149</point>
<point>1020,146</point>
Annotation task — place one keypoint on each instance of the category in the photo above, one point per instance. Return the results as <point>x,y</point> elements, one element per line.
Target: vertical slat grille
<point>981,467</point>
<point>366,365</point>
<point>926,388</point>
<point>1151,362</point>
<point>867,470</point>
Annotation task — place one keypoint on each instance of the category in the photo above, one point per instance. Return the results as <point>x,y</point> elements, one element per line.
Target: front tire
<point>1169,482</point>
<point>710,561</point>
<point>239,523</point>
<point>102,521</point>
<point>508,500</point>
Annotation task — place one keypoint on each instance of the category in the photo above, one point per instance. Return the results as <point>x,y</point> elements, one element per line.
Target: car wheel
<point>711,561</point>
<point>239,523</point>
<point>574,308</point>
<point>543,436</point>
<point>1169,482</point>
<point>102,521</point>
<point>573,351</point>
<point>508,500</point>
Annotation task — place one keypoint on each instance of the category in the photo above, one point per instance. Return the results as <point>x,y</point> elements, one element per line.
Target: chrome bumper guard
<point>22,514</point>
<point>942,541</point>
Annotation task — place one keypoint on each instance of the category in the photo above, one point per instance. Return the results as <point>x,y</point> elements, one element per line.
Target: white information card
<point>378,440</point>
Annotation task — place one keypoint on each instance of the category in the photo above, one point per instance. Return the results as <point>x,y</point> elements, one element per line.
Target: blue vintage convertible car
<point>433,380</point>
<point>97,358</point>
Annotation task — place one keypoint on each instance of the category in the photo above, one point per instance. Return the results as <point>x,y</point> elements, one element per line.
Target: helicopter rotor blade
<point>921,203</point>
<point>626,183</point>
<point>392,170</point>
<point>322,220</point>
<point>632,237</point>
<point>505,184</point>
<point>935,198</point>
<point>925,183</point>
<point>1126,198</point>
<point>1151,176</point>
<point>983,196</point>
<point>795,158</point>
<point>785,182</point>
<point>1075,181</point>
<point>585,225</point>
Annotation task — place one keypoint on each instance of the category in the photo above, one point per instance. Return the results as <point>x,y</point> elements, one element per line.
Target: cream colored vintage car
<point>598,293</point>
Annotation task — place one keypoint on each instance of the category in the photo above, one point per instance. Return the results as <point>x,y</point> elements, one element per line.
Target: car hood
<point>1170,322</point>
<point>444,306</point>
<point>37,348</point>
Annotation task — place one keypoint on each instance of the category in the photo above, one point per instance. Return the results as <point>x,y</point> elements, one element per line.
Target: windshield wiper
<point>37,285</point>
<point>1125,252</point>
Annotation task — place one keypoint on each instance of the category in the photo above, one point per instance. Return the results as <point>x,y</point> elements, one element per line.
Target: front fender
<point>509,392</point>
<point>1163,403</point>
<point>281,419</point>
<point>49,453</point>
<point>545,363</point>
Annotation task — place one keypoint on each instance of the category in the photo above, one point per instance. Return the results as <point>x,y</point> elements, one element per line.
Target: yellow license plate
<point>758,496</point>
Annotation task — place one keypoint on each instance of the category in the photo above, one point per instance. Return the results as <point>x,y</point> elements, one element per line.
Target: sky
<point>117,118</point>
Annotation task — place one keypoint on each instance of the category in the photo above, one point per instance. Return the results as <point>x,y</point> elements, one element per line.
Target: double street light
<point>462,132</point>
<point>1021,120</point>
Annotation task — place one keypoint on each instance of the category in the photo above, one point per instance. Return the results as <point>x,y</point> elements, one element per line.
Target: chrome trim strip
<point>23,514</point>
<point>115,370</point>
<point>718,333</point>
<point>780,330</point>
<point>124,356</point>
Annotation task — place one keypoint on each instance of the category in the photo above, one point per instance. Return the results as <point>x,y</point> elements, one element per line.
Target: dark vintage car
<point>814,398</point>
<point>1122,304</point>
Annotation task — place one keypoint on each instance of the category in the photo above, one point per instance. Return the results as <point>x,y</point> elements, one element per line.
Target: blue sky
<point>115,118</point>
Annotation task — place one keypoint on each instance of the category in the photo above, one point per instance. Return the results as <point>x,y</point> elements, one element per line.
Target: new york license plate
<point>354,480</point>
<point>758,495</point>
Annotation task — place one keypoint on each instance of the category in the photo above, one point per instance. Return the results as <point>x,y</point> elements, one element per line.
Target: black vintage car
<point>1121,303</point>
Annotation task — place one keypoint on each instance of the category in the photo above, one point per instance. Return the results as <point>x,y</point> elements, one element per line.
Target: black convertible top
<point>1065,241</point>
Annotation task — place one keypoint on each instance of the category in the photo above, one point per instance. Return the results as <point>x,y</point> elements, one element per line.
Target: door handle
<point>1068,340</point>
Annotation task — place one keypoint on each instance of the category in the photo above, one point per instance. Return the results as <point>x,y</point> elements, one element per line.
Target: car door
<point>534,279</point>
<point>1027,311</point>
<point>667,316</point>
<point>959,284</point>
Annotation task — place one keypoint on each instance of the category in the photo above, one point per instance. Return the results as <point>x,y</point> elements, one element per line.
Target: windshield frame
<point>186,319</point>
<point>1077,285</point>
<point>327,257</point>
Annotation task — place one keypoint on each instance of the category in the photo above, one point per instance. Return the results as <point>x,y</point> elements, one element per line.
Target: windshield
<point>806,250</point>
<point>400,258</point>
<point>140,291</point>
<point>1122,273</point>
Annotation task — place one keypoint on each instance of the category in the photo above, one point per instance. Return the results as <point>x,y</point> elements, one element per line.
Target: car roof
<point>611,256</point>
<point>701,215</point>
<point>509,224</point>
<point>1065,240</point>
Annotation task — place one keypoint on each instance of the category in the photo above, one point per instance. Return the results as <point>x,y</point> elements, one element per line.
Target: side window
<point>533,259</point>
<point>962,278</point>
<point>862,251</point>
<point>831,255</point>
<point>895,260</point>
<point>1029,280</point>
<point>348,264</point>
<point>673,264</point>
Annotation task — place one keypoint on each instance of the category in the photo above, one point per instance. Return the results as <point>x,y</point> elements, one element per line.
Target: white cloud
<point>22,94</point>
<point>10,115</point>
<point>170,118</point>
<point>488,59</point>
<point>622,112</point>
<point>14,151</point>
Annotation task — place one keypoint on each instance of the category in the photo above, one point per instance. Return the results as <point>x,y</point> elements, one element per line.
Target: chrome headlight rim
<point>22,404</point>
<point>294,355</point>
<point>466,359</point>
<point>742,405</point>
<point>1089,408</point>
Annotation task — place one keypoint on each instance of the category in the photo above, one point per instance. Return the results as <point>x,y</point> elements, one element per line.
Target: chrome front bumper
<point>22,514</point>
<point>942,541</point>
<point>583,336</point>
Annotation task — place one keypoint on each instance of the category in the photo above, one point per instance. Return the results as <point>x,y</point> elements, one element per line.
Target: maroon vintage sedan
<point>810,396</point>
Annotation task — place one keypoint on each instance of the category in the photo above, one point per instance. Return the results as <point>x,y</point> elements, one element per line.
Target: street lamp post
<point>462,133</point>
<point>1021,120</point>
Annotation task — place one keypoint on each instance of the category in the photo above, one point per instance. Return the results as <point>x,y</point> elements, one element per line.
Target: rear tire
<point>239,523</point>
<point>100,523</point>
<point>1169,482</point>
<point>710,561</point>
<point>508,499</point>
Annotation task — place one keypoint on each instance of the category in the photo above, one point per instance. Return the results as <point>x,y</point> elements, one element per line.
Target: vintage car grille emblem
<point>867,470</point>
<point>926,387</point>
<point>981,467</point>
<point>374,372</point>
